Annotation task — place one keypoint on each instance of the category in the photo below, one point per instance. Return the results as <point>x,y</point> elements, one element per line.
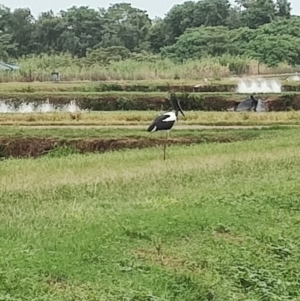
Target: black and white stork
<point>166,121</point>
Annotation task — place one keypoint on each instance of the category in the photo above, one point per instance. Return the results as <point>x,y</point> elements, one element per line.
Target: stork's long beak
<point>179,107</point>
<point>176,105</point>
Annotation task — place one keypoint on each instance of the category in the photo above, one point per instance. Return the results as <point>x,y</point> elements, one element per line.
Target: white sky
<point>153,7</point>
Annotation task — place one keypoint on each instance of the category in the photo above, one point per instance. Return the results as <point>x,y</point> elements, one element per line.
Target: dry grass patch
<point>160,257</point>
<point>228,237</point>
<point>142,118</point>
<point>63,290</point>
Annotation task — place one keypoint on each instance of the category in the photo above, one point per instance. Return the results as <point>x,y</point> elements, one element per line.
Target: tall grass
<point>74,69</point>
<point>212,222</point>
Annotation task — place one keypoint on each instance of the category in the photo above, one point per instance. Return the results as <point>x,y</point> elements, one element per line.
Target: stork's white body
<point>171,117</point>
<point>163,122</point>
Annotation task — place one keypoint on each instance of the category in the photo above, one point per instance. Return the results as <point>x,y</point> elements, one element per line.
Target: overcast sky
<point>153,7</point>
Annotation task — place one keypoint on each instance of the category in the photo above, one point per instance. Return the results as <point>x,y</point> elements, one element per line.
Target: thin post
<point>165,144</point>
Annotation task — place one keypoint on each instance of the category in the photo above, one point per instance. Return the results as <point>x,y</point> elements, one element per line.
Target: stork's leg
<point>165,144</point>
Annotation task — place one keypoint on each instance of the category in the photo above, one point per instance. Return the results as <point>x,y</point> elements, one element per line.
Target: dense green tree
<point>194,14</point>
<point>83,29</point>
<point>212,12</point>
<point>158,35</point>
<point>272,49</point>
<point>178,19</point>
<point>48,36</point>
<point>282,26</point>
<point>7,45</point>
<point>126,26</point>
<point>22,26</point>
<point>258,13</point>
<point>234,19</point>
<point>6,19</point>
<point>260,29</point>
<point>283,8</point>
<point>272,43</point>
<point>199,42</point>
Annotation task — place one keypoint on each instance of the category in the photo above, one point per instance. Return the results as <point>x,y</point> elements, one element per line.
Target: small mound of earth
<point>36,147</point>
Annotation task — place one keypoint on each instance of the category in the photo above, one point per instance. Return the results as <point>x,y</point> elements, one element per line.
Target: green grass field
<point>213,222</point>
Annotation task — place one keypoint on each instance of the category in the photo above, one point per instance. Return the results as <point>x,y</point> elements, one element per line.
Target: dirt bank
<point>36,147</point>
<point>149,101</point>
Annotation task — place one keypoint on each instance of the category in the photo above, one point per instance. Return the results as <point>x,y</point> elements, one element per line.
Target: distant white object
<point>261,106</point>
<point>44,107</point>
<point>55,76</point>
<point>295,78</point>
<point>260,85</point>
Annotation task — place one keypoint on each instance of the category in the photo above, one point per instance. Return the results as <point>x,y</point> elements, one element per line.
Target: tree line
<point>261,29</point>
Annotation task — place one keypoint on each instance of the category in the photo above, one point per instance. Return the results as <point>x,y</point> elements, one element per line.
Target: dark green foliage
<point>258,13</point>
<point>199,42</point>
<point>259,29</point>
<point>270,44</point>
<point>283,8</point>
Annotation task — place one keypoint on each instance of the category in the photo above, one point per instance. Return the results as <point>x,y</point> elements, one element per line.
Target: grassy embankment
<point>35,142</point>
<point>142,96</point>
<point>213,222</point>
<point>211,85</point>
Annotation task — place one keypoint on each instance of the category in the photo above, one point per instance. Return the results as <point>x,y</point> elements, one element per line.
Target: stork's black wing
<point>158,124</point>
<point>159,119</point>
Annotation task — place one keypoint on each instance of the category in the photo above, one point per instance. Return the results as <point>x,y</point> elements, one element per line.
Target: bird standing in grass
<point>166,121</point>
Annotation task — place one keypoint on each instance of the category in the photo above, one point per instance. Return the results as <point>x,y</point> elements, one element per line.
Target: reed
<point>39,68</point>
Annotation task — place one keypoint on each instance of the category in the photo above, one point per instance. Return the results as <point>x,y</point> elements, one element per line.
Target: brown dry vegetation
<point>57,142</point>
<point>35,147</point>
<point>142,119</point>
